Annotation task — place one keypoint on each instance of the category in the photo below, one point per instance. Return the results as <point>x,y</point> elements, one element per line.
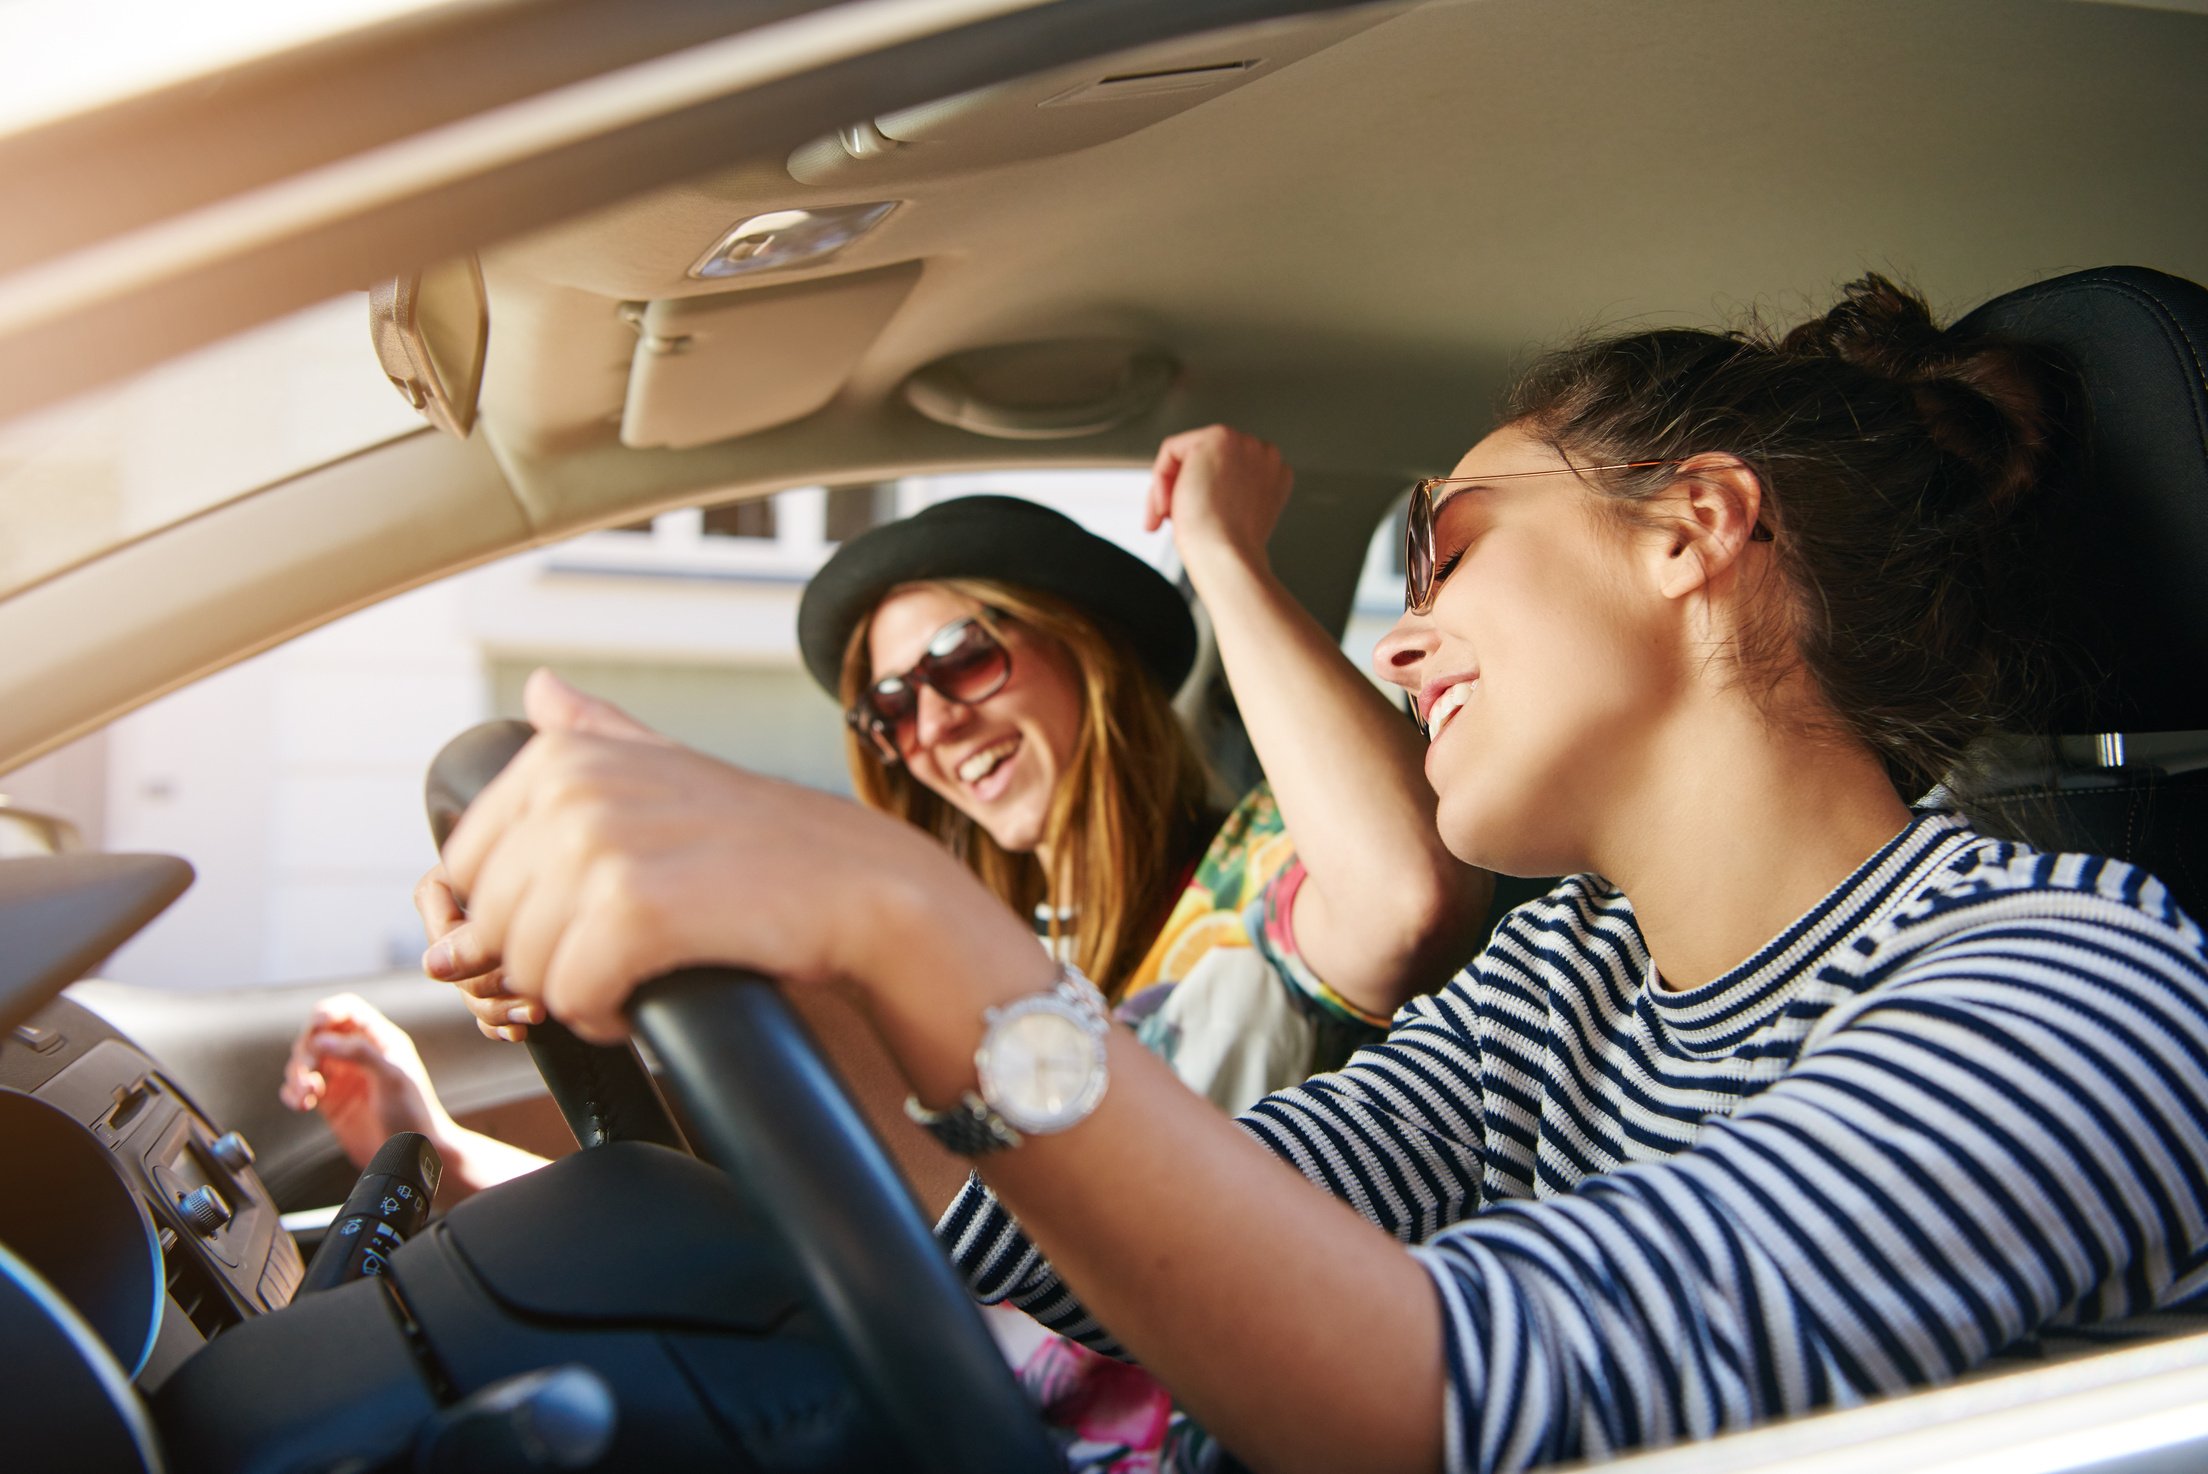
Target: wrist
<point>953,953</point>
<point>447,1135</point>
<point>1218,559</point>
<point>1041,1067</point>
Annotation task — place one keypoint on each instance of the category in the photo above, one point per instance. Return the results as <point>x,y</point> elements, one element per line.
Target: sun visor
<point>710,368</point>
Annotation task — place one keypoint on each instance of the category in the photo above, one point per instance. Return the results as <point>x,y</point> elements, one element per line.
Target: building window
<point>853,509</point>
<point>753,518</point>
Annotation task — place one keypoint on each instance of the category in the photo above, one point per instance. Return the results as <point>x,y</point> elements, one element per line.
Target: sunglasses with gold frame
<point>1418,528</point>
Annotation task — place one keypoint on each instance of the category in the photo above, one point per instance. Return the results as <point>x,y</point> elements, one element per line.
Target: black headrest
<point>2133,597</point>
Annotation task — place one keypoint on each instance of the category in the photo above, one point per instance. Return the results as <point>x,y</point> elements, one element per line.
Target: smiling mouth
<point>987,761</point>
<point>1446,706</point>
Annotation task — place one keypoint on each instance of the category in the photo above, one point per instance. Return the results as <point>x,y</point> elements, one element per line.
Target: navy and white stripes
<point>1961,1104</point>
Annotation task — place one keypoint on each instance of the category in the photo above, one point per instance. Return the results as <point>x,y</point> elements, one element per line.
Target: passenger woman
<point>1790,1095</point>
<point>1007,679</point>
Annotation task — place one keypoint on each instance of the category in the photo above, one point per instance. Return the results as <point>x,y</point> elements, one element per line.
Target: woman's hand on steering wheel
<point>455,957</point>
<point>604,856</point>
<point>456,953</point>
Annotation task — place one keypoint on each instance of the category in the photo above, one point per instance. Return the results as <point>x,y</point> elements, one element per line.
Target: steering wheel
<point>761,1104</point>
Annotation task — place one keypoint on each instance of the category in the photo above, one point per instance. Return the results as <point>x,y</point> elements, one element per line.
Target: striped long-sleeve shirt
<point>1961,1103</point>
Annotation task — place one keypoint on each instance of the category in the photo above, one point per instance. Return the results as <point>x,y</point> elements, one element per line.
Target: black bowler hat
<point>1011,541</point>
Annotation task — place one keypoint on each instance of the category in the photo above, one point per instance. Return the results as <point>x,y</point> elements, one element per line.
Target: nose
<point>936,718</point>
<point>1403,650</point>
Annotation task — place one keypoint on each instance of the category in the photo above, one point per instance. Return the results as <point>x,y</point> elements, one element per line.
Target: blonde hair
<point>1129,809</point>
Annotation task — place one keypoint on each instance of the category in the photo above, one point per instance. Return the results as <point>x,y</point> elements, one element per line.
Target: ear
<point>1713,511</point>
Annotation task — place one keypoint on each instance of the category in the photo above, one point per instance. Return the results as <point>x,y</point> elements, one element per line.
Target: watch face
<point>1040,1067</point>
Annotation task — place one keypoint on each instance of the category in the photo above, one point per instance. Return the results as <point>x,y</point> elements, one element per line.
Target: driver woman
<point>1790,1096</point>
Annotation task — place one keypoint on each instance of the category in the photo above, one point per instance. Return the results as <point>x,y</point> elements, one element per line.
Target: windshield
<point>98,471</point>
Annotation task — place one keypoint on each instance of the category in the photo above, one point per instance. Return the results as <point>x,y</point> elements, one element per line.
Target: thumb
<point>1165,469</point>
<point>555,706</point>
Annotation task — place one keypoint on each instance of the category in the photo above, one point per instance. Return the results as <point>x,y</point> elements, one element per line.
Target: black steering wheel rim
<point>761,1103</point>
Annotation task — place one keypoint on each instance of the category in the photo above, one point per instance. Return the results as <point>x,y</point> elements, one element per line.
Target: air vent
<point>1128,85</point>
<point>191,1284</point>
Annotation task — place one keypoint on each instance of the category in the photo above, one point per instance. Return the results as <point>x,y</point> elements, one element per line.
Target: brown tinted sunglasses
<point>965,662</point>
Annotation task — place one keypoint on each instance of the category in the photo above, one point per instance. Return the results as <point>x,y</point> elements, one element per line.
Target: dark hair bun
<point>1983,402</point>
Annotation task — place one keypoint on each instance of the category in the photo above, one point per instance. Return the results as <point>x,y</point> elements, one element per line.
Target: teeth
<point>1447,705</point>
<point>984,762</point>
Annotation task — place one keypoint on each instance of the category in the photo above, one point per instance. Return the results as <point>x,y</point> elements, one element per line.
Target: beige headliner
<point>1346,254</point>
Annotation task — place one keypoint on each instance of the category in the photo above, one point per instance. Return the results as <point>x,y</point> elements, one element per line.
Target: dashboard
<point>190,1205</point>
<point>156,1317</point>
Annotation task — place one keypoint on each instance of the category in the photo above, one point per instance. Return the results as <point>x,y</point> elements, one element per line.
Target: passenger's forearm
<point>474,1161</point>
<point>1385,909</point>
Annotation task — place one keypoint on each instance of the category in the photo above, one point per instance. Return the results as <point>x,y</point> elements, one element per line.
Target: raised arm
<point>1384,911</point>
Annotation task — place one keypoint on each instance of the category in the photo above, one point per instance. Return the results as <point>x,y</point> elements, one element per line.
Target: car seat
<point>2128,597</point>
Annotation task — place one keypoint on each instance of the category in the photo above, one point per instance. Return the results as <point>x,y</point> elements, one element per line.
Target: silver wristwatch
<point>1040,1065</point>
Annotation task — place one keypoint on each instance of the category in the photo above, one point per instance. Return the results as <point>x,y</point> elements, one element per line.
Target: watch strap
<point>971,1128</point>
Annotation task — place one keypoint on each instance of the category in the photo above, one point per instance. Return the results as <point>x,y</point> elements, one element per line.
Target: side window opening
<point>292,781</point>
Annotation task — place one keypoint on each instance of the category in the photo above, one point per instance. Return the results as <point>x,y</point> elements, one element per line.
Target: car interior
<point>625,264</point>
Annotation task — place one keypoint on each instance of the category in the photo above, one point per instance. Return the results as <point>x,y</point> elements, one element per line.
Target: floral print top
<point>1223,996</point>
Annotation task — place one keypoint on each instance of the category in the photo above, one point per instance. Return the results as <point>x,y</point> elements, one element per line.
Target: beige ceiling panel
<point>708,368</point>
<point>1071,108</point>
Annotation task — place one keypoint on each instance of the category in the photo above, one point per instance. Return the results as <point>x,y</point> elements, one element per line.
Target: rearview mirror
<point>431,329</point>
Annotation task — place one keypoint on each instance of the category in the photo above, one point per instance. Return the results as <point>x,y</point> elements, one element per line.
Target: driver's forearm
<point>1246,1289</point>
<point>1384,910</point>
<point>877,1087</point>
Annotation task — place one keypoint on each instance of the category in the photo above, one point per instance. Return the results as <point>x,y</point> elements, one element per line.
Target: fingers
<point>504,1017</point>
<point>503,804</point>
<point>436,904</point>
<point>303,1085</point>
<point>555,706</point>
<point>353,1048</point>
<point>306,1079</point>
<point>1164,470</point>
<point>461,957</point>
<point>349,1012</point>
<point>595,966</point>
